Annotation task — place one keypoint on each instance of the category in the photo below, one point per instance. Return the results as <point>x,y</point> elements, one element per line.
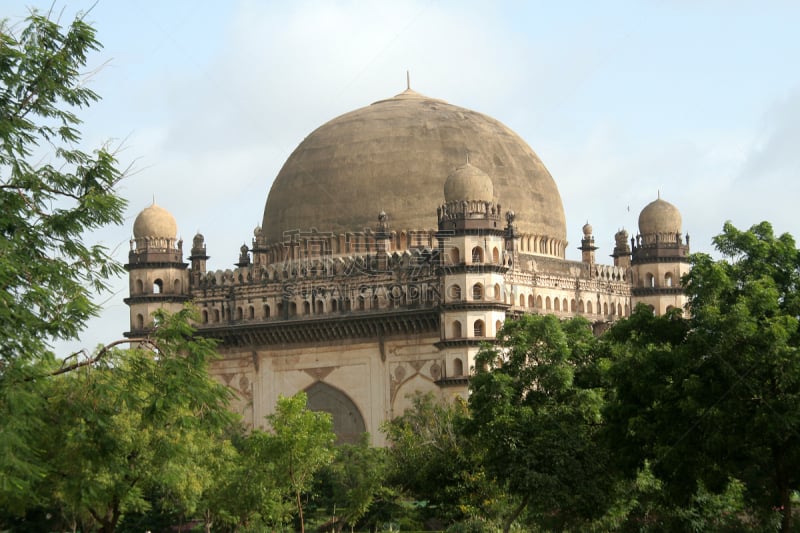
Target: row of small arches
<point>547,303</point>
<point>316,245</point>
<point>650,280</point>
<point>319,306</point>
<point>541,245</point>
<point>157,287</point>
<point>477,255</point>
<point>478,329</point>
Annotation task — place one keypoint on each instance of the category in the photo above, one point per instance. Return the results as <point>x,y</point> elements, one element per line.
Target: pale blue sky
<point>700,100</point>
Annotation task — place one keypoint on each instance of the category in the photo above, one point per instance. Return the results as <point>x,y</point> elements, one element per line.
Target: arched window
<point>139,322</point>
<point>205,316</point>
<point>477,255</point>
<point>605,308</point>
<point>627,311</point>
<point>477,292</point>
<point>572,305</point>
<point>306,308</point>
<point>251,313</point>
<point>177,286</point>
<point>216,315</point>
<point>479,328</point>
<point>522,300</point>
<point>531,301</point>
<point>498,326</point>
<point>547,303</point>
<point>458,367</point>
<point>456,326</point>
<point>581,309</point>
<point>497,293</point>
<point>650,280</point>
<point>564,305</point>
<point>538,302</point>
<point>556,305</point>
<point>266,311</point>
<point>320,307</point>
<point>619,309</point>
<point>589,307</point>
<point>292,308</point>
<point>158,286</point>
<point>139,286</point>
<point>238,313</point>
<point>334,305</point>
<point>495,256</point>
<point>455,255</point>
<point>668,279</point>
<point>361,303</point>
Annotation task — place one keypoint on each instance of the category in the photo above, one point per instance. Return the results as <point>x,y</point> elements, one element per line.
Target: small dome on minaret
<point>468,182</point>
<point>155,221</point>
<point>659,216</point>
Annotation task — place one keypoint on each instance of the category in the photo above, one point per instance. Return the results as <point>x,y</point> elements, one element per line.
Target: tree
<point>51,195</point>
<point>300,444</point>
<point>537,413</point>
<point>433,460</point>
<point>131,425</point>
<point>722,403</point>
<point>355,480</point>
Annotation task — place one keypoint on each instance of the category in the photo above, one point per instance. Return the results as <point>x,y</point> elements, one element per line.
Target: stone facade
<point>361,317</point>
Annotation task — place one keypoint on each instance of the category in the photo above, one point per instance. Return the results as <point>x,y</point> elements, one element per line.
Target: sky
<point>204,100</point>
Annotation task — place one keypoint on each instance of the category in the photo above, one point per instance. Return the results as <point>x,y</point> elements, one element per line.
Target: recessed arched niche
<point>348,424</point>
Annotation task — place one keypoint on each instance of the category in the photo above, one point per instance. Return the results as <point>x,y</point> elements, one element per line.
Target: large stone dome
<point>395,156</point>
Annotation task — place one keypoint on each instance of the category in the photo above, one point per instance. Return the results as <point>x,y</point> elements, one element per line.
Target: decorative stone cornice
<point>395,322</point>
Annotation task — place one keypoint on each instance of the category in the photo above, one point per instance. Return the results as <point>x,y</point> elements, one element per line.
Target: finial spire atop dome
<point>408,80</point>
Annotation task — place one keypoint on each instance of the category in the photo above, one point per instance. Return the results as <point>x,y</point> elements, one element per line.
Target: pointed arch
<point>477,255</point>
<point>458,367</point>
<point>348,423</point>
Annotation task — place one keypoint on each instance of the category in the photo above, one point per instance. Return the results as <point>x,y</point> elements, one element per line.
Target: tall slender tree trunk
<point>784,490</point>
<point>300,511</point>
<point>513,516</point>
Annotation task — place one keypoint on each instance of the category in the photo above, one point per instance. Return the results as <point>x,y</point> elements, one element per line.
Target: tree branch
<point>103,351</point>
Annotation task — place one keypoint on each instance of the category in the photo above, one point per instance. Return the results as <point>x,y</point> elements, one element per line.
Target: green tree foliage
<point>434,461</point>
<point>300,444</point>
<point>719,400</point>
<point>137,422</point>
<point>51,195</point>
<point>536,411</point>
<point>355,481</point>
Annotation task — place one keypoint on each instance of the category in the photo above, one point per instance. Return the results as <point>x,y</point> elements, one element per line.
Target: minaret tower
<point>587,245</point>
<point>472,238</point>
<point>158,276</point>
<point>659,258</point>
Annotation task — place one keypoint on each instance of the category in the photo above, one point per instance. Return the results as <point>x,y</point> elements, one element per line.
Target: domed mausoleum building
<point>395,240</point>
